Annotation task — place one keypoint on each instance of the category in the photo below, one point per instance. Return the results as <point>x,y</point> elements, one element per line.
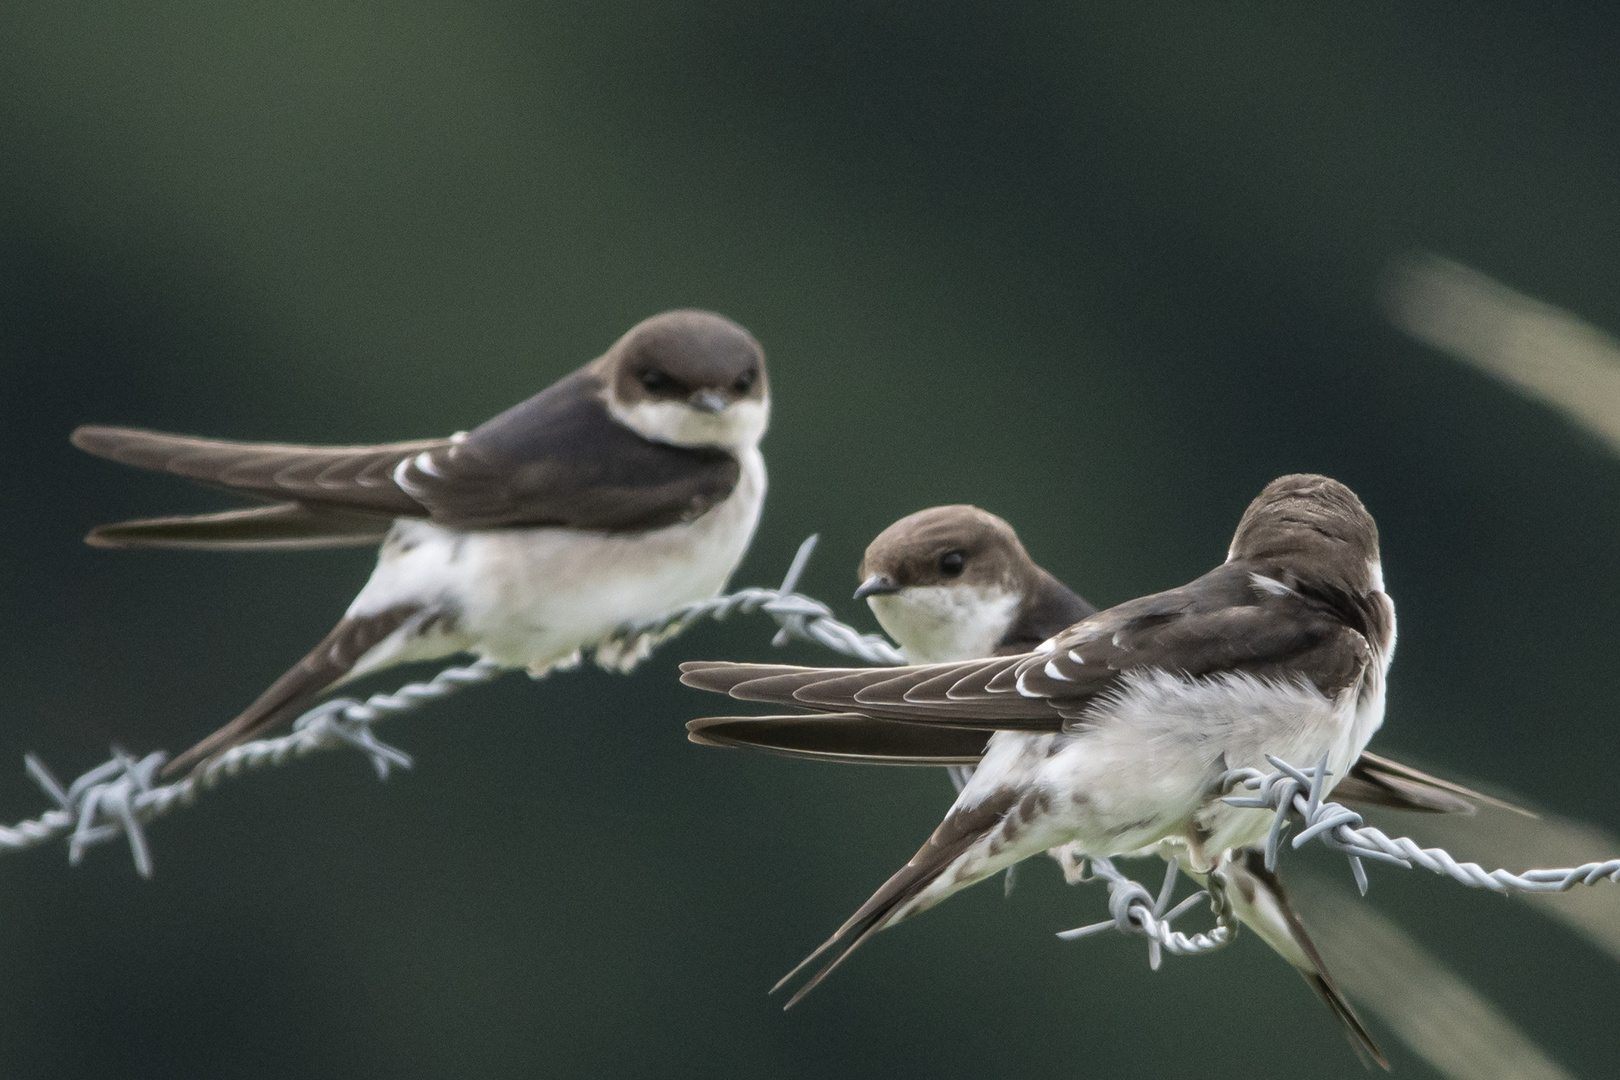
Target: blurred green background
<point>1102,269</point>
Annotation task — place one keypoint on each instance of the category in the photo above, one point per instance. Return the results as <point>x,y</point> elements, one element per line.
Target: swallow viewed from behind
<point>1113,735</point>
<point>625,489</point>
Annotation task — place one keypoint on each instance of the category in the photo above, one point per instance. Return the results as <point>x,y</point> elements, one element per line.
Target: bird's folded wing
<point>856,739</point>
<point>845,738</point>
<point>559,458</point>
<point>1218,626</point>
<point>356,478</point>
<point>881,693</point>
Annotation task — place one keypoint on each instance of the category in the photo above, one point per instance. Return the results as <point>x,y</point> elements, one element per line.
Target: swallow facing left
<point>620,492</point>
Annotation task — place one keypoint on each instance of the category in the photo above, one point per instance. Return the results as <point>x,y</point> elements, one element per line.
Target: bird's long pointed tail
<point>1263,905</point>
<point>903,894</point>
<point>328,662</point>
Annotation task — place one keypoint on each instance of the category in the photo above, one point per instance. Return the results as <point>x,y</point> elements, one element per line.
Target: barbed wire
<point>1134,910</point>
<point>1292,793</point>
<point>119,797</point>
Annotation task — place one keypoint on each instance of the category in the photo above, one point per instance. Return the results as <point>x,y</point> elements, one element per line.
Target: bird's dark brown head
<point>945,545</point>
<point>1315,527</point>
<point>696,358</point>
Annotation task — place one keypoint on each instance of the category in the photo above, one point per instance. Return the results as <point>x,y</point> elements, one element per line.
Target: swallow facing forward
<point>620,492</point>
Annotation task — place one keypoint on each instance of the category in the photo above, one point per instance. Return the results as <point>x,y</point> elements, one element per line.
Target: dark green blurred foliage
<point>1103,269</point>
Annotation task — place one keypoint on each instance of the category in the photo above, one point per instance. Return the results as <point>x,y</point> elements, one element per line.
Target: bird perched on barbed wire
<point>1112,736</point>
<point>954,583</point>
<point>625,489</point>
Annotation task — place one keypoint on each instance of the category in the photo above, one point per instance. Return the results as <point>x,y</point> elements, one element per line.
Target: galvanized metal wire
<point>1294,794</point>
<point>119,797</point>
<point>1134,910</point>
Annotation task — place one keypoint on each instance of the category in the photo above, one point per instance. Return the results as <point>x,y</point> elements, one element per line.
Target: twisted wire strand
<point>1134,910</point>
<point>1296,795</point>
<point>120,796</point>
<point>1292,793</point>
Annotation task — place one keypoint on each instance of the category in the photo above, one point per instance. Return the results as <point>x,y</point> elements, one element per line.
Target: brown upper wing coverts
<point>559,458</point>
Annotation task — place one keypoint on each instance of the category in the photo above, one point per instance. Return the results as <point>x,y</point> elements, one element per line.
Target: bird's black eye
<point>745,381</point>
<point>656,380</point>
<point>950,563</point>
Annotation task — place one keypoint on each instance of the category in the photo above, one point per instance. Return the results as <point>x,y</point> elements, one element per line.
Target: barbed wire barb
<point>1344,830</point>
<point>1134,910</point>
<point>119,797</point>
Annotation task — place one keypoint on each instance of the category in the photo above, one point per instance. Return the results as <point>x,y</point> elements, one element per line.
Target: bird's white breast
<point>1143,766</point>
<point>534,597</point>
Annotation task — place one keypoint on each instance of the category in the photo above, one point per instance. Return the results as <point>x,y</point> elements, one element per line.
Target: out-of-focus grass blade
<point>1428,1006</point>
<point>1541,350</point>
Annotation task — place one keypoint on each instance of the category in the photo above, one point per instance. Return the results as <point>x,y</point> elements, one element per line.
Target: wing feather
<point>267,470</point>
<point>1220,624</point>
<point>559,458</point>
<point>282,526</point>
<point>843,737</point>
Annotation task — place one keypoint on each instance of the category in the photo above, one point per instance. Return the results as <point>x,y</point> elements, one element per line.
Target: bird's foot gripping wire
<point>1135,910</point>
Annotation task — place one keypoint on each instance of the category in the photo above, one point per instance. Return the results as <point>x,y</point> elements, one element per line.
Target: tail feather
<point>283,526</point>
<point>1264,907</point>
<point>1382,781</point>
<point>328,662</point>
<point>962,828</point>
<point>846,737</point>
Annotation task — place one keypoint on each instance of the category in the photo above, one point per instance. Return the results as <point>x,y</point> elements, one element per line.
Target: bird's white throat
<point>738,426</point>
<point>939,623</point>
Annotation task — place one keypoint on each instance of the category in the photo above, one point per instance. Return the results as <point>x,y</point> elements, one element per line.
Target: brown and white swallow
<point>955,583</point>
<point>1111,736</point>
<point>625,489</point>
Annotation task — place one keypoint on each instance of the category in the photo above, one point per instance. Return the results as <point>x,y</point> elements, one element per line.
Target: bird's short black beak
<point>877,585</point>
<point>707,401</point>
